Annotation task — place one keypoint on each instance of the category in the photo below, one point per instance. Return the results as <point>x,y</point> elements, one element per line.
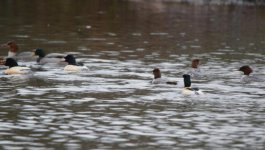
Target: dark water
<point>113,105</point>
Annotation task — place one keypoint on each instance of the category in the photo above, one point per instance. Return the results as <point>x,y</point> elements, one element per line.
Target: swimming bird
<point>72,65</point>
<point>247,78</point>
<point>188,90</point>
<point>195,71</point>
<point>55,58</point>
<point>158,80</point>
<point>14,68</point>
<point>13,52</point>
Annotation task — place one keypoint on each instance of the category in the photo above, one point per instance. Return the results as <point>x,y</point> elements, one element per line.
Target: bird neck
<point>246,73</point>
<point>13,65</point>
<point>13,48</point>
<point>157,77</point>
<point>38,59</point>
<point>41,55</point>
<point>187,82</point>
<point>11,54</point>
<point>72,62</point>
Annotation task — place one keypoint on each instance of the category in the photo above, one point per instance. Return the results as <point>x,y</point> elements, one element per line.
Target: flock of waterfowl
<point>70,65</point>
<point>37,55</point>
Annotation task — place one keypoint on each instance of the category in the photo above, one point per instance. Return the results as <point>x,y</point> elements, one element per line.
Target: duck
<point>72,65</point>
<point>55,58</point>
<point>247,77</point>
<point>195,71</point>
<point>188,90</point>
<point>13,52</point>
<point>158,80</point>
<point>14,68</point>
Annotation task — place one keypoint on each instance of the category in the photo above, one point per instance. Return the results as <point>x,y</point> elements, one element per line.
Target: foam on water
<point>115,98</point>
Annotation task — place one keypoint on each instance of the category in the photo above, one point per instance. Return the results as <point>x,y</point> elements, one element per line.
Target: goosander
<point>158,80</point>
<point>195,71</point>
<point>14,68</point>
<point>72,65</point>
<point>247,78</point>
<point>43,59</point>
<point>188,90</point>
<point>13,52</point>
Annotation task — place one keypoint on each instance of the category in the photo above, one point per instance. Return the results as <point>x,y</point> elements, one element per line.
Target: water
<point>113,105</point>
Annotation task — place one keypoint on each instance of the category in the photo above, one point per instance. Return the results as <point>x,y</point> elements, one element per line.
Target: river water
<point>113,105</point>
